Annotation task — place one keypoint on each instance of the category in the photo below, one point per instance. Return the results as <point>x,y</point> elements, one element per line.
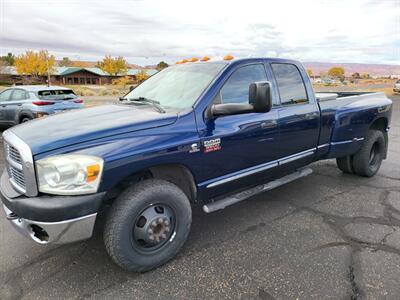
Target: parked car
<point>210,133</point>
<point>396,88</point>
<point>23,103</point>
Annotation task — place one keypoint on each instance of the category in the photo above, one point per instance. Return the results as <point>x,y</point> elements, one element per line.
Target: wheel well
<point>174,173</point>
<point>379,124</point>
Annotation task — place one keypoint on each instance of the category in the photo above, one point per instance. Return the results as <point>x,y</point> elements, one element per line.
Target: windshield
<point>177,86</point>
<point>56,95</point>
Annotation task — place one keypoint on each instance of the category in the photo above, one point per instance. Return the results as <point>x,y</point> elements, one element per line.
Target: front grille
<point>15,167</point>
<point>13,153</point>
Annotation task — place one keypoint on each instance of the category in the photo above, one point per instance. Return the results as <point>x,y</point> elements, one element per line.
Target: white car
<point>396,88</point>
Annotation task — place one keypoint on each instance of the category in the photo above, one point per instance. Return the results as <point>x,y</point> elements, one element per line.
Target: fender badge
<point>194,148</point>
<point>212,145</point>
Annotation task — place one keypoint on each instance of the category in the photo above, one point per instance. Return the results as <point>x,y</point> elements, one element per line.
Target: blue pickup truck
<point>211,133</point>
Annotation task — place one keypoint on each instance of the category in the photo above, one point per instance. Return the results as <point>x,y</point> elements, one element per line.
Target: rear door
<point>4,99</point>
<point>18,97</point>
<point>299,117</point>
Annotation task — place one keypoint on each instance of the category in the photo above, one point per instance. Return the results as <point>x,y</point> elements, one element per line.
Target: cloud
<point>148,31</point>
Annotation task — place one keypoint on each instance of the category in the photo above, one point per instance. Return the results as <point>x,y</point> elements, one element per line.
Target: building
<point>69,76</point>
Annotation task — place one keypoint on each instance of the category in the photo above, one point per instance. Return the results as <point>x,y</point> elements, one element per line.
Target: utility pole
<point>48,72</point>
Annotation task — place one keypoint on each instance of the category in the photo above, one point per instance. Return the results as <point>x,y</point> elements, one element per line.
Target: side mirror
<point>260,100</point>
<point>260,96</point>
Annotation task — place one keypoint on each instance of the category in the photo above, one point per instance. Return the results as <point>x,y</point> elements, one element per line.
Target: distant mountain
<point>90,64</point>
<point>350,68</point>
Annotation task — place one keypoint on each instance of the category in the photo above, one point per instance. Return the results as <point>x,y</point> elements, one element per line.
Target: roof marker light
<point>193,59</point>
<point>228,57</point>
<point>205,58</point>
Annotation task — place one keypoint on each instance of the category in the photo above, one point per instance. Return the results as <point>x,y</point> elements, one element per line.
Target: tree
<point>355,75</point>
<point>309,72</point>
<point>114,66</point>
<point>35,63</point>
<point>336,72</point>
<point>8,59</point>
<point>65,62</point>
<point>365,76</point>
<point>124,81</point>
<point>141,76</point>
<point>162,65</point>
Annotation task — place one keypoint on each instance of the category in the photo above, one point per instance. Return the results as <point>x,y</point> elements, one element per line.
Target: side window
<point>290,84</point>
<point>236,88</point>
<point>18,95</point>
<point>5,96</point>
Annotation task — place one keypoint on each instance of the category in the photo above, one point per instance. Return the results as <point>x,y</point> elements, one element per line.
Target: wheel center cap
<point>158,229</point>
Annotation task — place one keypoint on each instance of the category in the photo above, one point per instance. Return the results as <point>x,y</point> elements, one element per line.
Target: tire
<point>345,164</point>
<point>25,119</point>
<point>135,212</point>
<point>368,160</point>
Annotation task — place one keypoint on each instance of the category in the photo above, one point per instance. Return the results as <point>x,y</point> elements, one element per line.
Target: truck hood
<point>82,125</point>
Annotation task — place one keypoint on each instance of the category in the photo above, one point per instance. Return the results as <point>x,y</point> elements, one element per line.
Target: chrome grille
<point>19,164</point>
<point>15,168</point>
<point>13,153</point>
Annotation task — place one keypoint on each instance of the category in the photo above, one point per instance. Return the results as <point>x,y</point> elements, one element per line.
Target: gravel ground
<point>328,235</point>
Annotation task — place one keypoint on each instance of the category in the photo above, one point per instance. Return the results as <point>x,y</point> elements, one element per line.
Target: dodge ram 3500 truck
<point>212,133</point>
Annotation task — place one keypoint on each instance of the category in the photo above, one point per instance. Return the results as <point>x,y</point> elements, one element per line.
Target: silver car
<point>26,102</point>
<point>396,88</point>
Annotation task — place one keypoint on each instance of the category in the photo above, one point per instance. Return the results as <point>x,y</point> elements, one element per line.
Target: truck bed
<point>344,118</point>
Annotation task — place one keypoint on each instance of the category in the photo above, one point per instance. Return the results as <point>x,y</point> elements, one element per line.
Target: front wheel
<point>368,160</point>
<point>147,225</point>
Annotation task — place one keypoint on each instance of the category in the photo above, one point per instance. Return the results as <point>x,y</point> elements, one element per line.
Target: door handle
<point>269,124</point>
<point>310,116</point>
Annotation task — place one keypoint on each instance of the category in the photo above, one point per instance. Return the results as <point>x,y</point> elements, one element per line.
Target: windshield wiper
<point>153,103</point>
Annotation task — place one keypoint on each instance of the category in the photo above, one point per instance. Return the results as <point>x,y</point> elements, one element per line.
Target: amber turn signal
<point>92,172</point>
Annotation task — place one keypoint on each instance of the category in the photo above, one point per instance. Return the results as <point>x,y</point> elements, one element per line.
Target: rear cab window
<point>64,94</point>
<point>290,84</point>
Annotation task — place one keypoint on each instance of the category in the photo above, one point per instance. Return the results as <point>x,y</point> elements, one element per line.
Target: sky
<point>146,32</point>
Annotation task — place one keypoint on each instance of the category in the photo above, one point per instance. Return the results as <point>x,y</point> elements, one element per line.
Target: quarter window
<point>290,84</point>
<point>236,89</point>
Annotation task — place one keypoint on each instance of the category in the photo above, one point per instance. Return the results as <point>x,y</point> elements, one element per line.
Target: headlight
<point>69,174</point>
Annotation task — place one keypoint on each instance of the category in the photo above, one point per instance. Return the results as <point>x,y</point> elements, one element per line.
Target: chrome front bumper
<point>62,232</point>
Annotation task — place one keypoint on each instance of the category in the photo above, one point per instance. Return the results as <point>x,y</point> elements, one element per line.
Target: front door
<point>239,150</point>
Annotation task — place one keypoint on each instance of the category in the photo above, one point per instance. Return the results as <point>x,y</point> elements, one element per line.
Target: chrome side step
<point>232,199</point>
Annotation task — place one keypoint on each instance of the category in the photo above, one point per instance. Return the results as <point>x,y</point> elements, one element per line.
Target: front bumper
<point>62,232</point>
<point>50,219</point>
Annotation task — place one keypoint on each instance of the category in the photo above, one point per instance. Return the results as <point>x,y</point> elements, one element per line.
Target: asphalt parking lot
<point>328,235</point>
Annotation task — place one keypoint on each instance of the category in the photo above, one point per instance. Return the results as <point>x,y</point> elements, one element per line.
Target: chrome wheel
<point>153,227</point>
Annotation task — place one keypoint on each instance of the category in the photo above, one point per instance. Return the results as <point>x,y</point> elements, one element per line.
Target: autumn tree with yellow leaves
<point>141,76</point>
<point>113,66</point>
<point>336,72</point>
<point>35,64</point>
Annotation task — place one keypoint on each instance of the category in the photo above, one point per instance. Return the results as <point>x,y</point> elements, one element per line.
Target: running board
<point>235,198</point>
